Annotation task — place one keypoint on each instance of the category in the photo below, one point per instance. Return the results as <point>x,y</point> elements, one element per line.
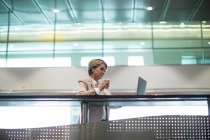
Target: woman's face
<point>99,72</point>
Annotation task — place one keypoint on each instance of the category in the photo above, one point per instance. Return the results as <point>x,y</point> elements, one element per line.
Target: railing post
<point>208,102</point>
<point>84,112</point>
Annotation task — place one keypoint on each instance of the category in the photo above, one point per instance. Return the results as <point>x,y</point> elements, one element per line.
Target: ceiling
<point>27,12</point>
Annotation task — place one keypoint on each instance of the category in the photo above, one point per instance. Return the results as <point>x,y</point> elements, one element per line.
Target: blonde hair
<point>94,63</point>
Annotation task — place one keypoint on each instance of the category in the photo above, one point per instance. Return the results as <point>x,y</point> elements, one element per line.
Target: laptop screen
<point>141,87</point>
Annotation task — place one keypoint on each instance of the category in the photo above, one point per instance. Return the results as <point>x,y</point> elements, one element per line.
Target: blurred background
<point>66,33</point>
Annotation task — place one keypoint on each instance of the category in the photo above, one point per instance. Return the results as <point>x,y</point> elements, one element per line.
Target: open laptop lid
<point>141,87</point>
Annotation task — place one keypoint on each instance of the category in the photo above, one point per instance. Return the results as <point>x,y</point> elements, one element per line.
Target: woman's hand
<point>104,84</point>
<point>107,83</point>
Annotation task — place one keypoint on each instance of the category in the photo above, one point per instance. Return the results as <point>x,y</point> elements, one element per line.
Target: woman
<point>92,86</point>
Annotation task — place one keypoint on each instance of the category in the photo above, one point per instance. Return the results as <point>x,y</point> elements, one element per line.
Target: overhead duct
<point>40,33</point>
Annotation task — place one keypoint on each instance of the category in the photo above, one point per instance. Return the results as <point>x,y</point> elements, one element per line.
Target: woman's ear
<point>92,70</point>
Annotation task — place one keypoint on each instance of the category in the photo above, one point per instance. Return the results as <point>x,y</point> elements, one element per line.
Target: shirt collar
<point>94,81</point>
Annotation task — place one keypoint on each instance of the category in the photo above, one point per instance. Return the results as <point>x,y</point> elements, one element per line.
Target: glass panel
<point>177,35</point>
<point>37,116</point>
<point>188,60</point>
<point>32,114</point>
<point>2,61</point>
<point>124,40</point>
<point>206,59</point>
<point>206,34</point>
<point>30,46</point>
<point>3,54</point>
<point>176,56</point>
<point>109,60</point>
<point>79,40</point>
<point>26,112</point>
<point>135,60</point>
<point>157,43</point>
<point>3,41</point>
<point>145,111</point>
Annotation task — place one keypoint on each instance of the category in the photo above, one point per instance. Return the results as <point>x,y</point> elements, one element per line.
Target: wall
<point>123,79</point>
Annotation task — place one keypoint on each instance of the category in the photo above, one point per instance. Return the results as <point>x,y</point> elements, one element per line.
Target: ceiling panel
<point>4,16</point>
<point>203,12</point>
<point>97,11</point>
<point>5,22</point>
<point>180,10</point>
<point>118,16</point>
<point>142,16</point>
<point>143,4</point>
<point>3,9</point>
<point>118,4</point>
<point>141,13</point>
<point>26,11</point>
<point>159,9</point>
<point>87,10</point>
<point>64,14</point>
<point>119,10</point>
<point>21,5</point>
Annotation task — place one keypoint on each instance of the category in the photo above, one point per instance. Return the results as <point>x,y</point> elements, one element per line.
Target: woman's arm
<point>83,90</point>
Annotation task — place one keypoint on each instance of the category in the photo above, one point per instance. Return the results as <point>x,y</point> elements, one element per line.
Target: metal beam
<point>195,10</point>
<point>102,11</point>
<point>40,9</point>
<point>134,11</point>
<point>71,11</point>
<point>165,9</point>
<point>11,11</point>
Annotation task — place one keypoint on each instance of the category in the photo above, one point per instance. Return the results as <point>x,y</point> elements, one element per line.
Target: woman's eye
<point>102,69</point>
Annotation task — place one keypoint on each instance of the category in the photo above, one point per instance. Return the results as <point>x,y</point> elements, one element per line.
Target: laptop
<point>141,87</point>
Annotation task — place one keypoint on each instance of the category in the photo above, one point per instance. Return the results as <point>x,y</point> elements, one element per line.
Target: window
<point>189,60</point>
<point>135,60</point>
<point>143,111</point>
<point>39,62</point>
<point>108,59</point>
<point>37,116</point>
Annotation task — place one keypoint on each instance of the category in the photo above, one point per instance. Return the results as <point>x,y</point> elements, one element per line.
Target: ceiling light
<point>149,8</point>
<point>140,26</point>
<point>55,10</point>
<point>17,29</point>
<point>162,22</point>
<point>209,42</point>
<point>75,44</point>
<point>182,25</point>
<point>204,22</point>
<point>142,43</point>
